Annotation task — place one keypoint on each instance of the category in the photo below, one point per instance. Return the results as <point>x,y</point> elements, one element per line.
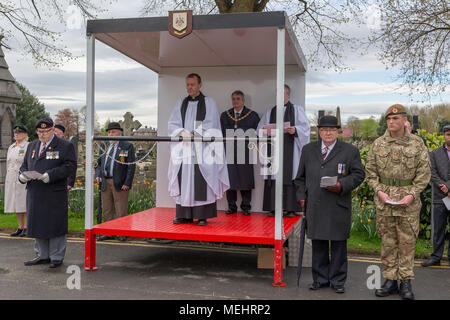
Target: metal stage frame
<point>116,33</point>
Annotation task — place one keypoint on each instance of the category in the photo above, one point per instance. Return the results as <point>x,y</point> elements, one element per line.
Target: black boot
<point>406,290</point>
<point>24,233</point>
<point>16,233</point>
<point>389,287</point>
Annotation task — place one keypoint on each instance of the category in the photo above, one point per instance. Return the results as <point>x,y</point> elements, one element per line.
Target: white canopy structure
<point>254,52</point>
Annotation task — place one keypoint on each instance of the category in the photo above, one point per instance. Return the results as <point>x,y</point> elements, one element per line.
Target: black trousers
<point>329,271</point>
<point>440,216</point>
<point>246,199</point>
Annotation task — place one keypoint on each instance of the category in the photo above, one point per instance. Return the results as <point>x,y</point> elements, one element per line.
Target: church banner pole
<point>89,237</point>
<point>278,250</point>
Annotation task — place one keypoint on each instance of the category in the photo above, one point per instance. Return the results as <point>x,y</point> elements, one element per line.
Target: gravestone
<point>9,96</point>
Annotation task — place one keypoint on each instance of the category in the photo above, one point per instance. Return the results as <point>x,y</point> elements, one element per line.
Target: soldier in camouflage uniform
<point>398,169</point>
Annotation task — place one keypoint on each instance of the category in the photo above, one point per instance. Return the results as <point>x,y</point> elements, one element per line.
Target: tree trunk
<point>226,6</point>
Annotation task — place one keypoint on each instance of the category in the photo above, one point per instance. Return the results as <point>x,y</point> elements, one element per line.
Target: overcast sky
<point>124,85</point>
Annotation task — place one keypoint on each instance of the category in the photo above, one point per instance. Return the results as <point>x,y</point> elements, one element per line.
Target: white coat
<point>15,192</point>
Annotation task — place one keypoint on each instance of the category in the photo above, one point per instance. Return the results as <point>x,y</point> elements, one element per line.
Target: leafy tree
<point>29,110</point>
<point>69,120</point>
<point>368,129</point>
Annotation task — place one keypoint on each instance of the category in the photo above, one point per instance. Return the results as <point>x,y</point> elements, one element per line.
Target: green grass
<point>360,243</point>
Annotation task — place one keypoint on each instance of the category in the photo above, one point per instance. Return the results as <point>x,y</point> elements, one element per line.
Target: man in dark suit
<point>114,173</point>
<point>328,209</point>
<point>48,162</point>
<point>440,177</point>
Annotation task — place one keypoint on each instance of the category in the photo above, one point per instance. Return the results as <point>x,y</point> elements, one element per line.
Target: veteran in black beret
<point>114,173</point>
<point>48,162</point>
<point>328,207</point>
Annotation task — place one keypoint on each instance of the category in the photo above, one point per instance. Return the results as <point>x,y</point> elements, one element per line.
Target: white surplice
<point>303,136</point>
<point>210,155</point>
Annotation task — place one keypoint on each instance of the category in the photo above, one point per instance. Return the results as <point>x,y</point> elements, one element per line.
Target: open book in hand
<point>328,181</point>
<point>32,175</point>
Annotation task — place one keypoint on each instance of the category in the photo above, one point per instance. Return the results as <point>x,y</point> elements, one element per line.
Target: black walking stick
<point>302,247</point>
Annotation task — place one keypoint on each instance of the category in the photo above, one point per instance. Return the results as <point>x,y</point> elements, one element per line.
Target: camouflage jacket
<point>404,158</point>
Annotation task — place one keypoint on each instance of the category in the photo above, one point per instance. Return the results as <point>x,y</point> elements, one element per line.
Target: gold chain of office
<point>237,119</point>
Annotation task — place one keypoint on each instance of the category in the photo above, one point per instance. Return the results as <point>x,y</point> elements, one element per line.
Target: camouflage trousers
<point>398,243</point>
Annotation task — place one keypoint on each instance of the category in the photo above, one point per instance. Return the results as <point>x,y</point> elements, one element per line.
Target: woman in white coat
<point>15,192</point>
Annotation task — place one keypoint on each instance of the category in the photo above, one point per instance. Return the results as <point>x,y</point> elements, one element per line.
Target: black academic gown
<point>241,175</point>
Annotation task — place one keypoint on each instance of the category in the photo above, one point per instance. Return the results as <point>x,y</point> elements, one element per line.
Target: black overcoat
<point>328,214</point>
<point>47,203</point>
<point>240,174</point>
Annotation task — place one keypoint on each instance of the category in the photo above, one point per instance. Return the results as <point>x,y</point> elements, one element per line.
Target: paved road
<point>137,270</point>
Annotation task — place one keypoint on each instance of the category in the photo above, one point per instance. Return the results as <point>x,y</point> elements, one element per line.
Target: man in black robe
<point>239,121</point>
<point>296,135</point>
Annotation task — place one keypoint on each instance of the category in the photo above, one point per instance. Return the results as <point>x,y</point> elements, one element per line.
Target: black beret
<point>20,128</point>
<point>44,123</point>
<point>446,128</point>
<point>60,127</point>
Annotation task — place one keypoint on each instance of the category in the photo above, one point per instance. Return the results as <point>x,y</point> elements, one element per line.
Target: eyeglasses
<point>43,131</point>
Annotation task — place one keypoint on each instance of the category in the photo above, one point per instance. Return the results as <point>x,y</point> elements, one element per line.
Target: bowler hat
<point>44,123</point>
<point>328,121</point>
<point>20,128</point>
<point>114,125</point>
<point>60,127</point>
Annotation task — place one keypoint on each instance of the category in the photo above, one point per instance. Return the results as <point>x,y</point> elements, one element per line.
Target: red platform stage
<point>256,228</point>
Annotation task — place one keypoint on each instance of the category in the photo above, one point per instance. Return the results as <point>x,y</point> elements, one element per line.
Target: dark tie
<point>324,152</point>
<point>43,149</point>
<point>238,114</point>
<point>109,159</point>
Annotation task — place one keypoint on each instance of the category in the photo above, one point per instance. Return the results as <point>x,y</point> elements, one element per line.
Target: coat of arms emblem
<point>180,23</point>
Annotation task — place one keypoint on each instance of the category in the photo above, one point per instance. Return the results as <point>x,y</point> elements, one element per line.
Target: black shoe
<point>121,238</point>
<point>17,233</point>
<point>182,220</point>
<point>389,287</point>
<point>246,212</point>
<point>339,289</point>
<point>406,290</point>
<point>24,233</point>
<point>55,263</point>
<point>431,262</point>
<point>271,214</point>
<point>229,211</point>
<point>201,222</point>
<point>317,286</point>
<point>36,261</point>
<point>104,237</point>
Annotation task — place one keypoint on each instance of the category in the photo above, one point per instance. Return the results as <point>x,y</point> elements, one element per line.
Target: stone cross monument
<point>9,96</point>
<point>128,125</point>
